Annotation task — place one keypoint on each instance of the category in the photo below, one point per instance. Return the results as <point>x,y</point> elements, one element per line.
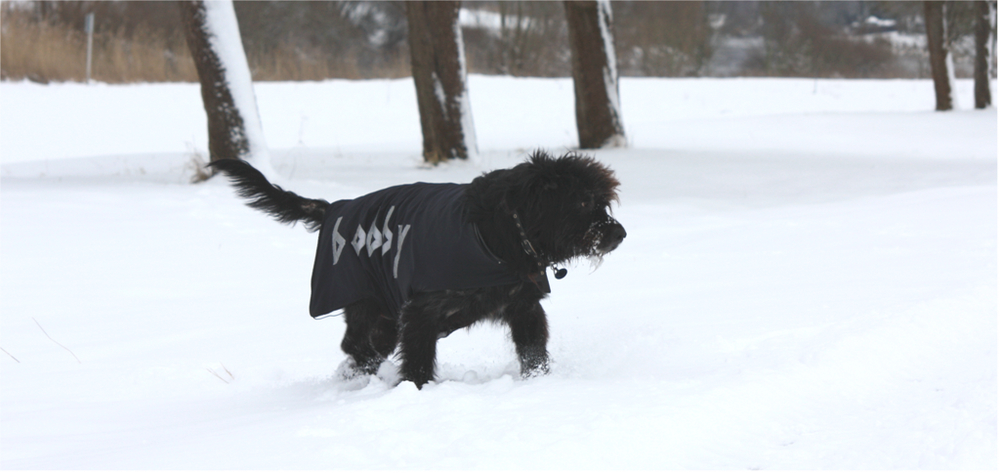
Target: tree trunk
<point>595,74</point>
<point>941,62</point>
<point>439,74</point>
<point>985,28</point>
<point>234,129</point>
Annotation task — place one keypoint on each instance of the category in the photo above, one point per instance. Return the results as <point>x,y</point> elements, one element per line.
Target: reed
<point>43,52</point>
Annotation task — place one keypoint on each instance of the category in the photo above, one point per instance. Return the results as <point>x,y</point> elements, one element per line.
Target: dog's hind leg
<point>530,332</point>
<point>369,338</point>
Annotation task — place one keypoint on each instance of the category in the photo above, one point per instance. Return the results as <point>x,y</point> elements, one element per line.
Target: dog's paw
<point>349,370</point>
<point>533,368</point>
<point>534,362</point>
<point>541,370</point>
<point>346,371</point>
<point>349,377</point>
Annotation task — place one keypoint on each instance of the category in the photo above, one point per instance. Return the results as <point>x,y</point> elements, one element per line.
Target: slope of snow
<point>809,281</point>
<point>75,120</point>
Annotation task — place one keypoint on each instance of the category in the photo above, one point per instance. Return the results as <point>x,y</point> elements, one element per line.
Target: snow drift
<point>809,282</point>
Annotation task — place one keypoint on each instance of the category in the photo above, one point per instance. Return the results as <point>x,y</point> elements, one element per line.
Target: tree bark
<point>937,45</point>
<point>437,60</point>
<point>595,74</point>
<point>234,129</point>
<point>985,30</point>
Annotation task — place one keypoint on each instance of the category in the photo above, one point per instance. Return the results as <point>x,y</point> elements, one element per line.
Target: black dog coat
<point>398,241</point>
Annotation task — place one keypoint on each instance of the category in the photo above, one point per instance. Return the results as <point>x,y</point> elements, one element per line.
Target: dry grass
<point>217,375</point>
<point>144,58</point>
<point>42,52</point>
<point>289,63</point>
<point>54,341</point>
<point>37,51</point>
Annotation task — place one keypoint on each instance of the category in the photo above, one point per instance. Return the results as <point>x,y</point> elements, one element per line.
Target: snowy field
<point>809,281</point>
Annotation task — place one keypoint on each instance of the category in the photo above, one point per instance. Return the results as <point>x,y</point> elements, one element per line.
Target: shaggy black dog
<point>410,264</point>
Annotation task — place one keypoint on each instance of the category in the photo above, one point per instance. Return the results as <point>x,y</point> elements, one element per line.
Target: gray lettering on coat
<point>359,240</point>
<point>399,249</point>
<point>386,233</point>
<point>338,241</point>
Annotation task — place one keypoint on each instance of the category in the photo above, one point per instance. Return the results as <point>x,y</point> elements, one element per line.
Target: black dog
<point>410,264</point>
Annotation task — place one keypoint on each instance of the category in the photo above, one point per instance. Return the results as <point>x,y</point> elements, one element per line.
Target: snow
<point>949,59</point>
<point>990,39</point>
<point>490,20</point>
<point>903,40</point>
<point>809,282</point>
<point>610,71</point>
<point>464,104</point>
<point>876,21</point>
<point>949,66</point>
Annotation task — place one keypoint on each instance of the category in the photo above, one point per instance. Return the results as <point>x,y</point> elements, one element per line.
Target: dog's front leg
<point>418,341</point>
<point>530,332</point>
<point>369,338</point>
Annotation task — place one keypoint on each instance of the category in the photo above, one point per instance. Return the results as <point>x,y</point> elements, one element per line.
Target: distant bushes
<point>143,41</point>
<point>797,44</point>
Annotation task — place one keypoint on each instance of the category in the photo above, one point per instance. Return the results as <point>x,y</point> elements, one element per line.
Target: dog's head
<point>564,205</point>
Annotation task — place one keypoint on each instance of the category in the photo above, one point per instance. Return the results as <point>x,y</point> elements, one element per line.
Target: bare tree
<point>985,32</point>
<point>439,74</point>
<point>595,74</point>
<point>942,68</point>
<point>234,129</point>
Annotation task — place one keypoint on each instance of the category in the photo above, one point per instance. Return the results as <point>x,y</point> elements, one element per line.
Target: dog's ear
<point>513,199</point>
<point>524,182</point>
<point>540,184</point>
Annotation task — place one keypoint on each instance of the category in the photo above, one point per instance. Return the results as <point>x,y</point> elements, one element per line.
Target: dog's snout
<point>618,233</point>
<point>613,237</point>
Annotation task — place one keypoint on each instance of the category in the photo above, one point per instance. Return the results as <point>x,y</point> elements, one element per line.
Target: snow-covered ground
<point>809,281</point>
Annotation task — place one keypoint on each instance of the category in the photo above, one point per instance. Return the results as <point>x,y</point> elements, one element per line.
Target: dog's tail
<point>284,206</point>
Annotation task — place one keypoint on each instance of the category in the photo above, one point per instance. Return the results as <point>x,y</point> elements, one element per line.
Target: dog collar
<point>541,281</point>
<point>539,278</point>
